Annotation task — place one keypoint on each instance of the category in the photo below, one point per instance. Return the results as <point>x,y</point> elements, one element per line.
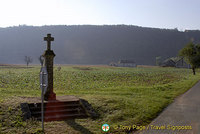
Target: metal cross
<point>48,39</point>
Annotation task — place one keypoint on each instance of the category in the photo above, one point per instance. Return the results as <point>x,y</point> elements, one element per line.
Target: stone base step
<point>55,110</point>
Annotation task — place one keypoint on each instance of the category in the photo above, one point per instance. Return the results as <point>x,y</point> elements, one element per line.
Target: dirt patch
<point>6,66</point>
<point>13,101</point>
<point>147,66</point>
<point>84,68</point>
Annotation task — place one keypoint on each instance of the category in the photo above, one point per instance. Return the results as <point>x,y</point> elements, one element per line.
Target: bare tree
<point>41,59</point>
<point>28,60</point>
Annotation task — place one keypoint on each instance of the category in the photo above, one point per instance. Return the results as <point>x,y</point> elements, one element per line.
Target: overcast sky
<point>181,14</point>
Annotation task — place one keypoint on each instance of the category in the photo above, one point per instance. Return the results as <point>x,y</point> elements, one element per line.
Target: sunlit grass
<point>121,96</point>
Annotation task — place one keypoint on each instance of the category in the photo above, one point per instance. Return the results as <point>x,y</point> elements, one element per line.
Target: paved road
<point>184,113</point>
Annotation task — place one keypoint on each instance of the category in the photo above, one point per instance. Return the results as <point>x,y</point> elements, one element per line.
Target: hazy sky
<point>181,14</point>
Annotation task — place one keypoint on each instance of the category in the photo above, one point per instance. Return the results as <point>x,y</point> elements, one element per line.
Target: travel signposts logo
<point>105,127</point>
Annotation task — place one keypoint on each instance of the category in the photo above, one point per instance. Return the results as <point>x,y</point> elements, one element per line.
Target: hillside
<point>89,44</point>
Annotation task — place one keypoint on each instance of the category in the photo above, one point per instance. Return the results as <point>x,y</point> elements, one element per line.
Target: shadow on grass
<point>78,127</point>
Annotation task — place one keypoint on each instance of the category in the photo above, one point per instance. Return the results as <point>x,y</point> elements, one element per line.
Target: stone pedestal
<point>49,56</point>
<point>48,63</point>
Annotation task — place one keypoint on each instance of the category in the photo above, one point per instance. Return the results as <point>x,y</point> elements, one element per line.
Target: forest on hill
<point>91,44</point>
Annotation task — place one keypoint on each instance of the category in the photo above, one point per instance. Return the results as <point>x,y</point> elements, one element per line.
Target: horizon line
<point>26,25</point>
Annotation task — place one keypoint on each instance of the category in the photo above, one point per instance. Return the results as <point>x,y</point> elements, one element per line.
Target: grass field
<point>121,96</point>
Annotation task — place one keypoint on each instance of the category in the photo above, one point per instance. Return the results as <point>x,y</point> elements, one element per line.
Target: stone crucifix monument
<point>54,109</point>
<point>48,62</point>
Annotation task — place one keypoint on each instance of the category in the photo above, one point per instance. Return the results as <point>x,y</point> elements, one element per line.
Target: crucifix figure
<point>49,56</point>
<point>48,39</point>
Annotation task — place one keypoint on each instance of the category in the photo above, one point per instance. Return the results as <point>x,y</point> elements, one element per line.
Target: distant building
<point>126,63</point>
<point>181,63</point>
<point>113,64</point>
<point>168,63</point>
<point>178,62</point>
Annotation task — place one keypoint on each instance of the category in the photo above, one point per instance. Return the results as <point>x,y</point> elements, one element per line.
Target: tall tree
<point>191,53</point>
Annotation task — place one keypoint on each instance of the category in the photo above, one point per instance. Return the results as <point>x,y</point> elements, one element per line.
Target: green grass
<point>121,96</point>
